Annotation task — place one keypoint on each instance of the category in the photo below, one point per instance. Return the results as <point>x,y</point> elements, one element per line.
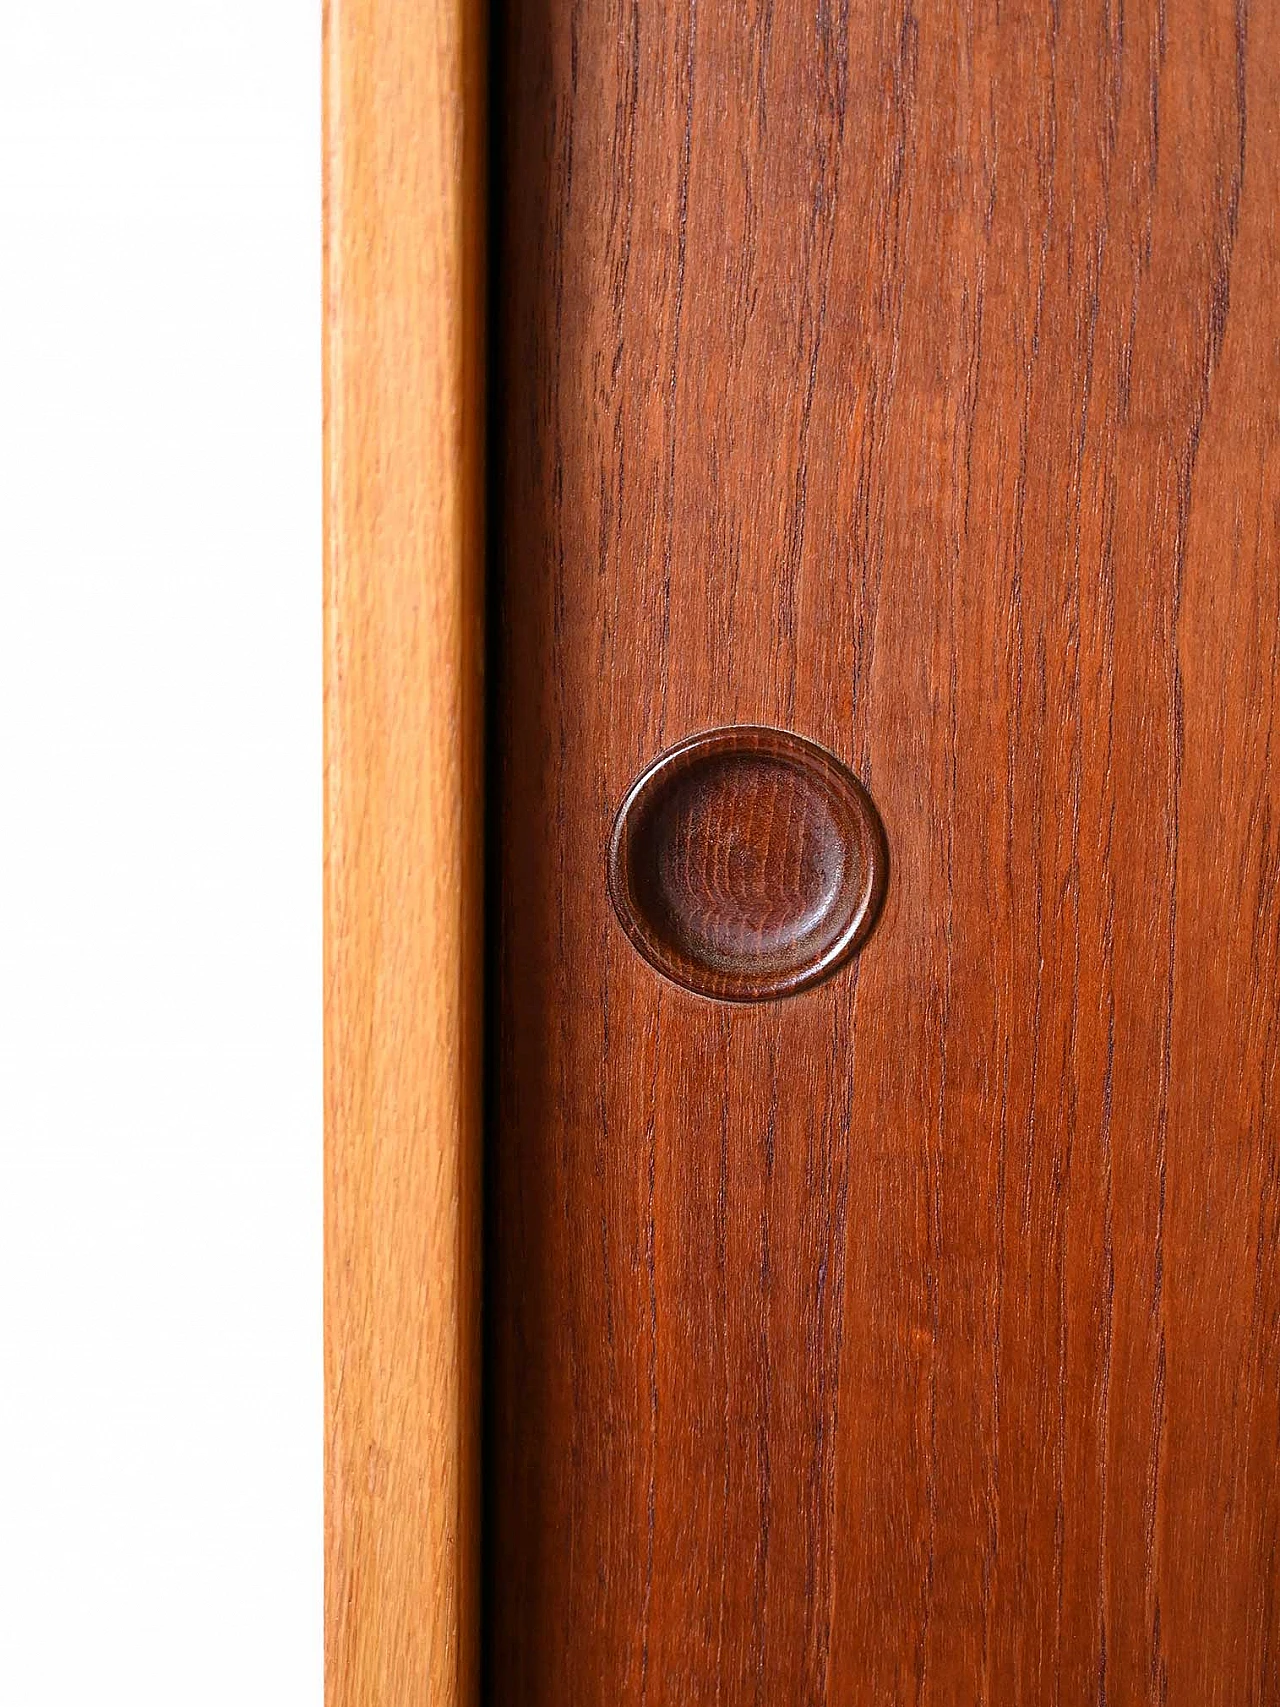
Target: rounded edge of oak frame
<point>861,821</point>
<point>404,168</point>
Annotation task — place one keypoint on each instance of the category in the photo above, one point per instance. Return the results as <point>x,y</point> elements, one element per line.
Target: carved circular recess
<point>747,863</point>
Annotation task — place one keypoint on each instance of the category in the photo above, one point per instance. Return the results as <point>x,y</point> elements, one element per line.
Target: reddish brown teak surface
<point>907,378</point>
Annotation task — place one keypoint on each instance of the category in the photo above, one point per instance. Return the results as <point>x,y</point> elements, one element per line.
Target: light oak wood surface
<point>404,621</point>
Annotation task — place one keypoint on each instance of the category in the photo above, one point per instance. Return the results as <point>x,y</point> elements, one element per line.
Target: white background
<point>160,1113</point>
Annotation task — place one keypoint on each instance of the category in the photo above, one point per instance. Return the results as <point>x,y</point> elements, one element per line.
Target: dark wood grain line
<point>650,1263</point>
<point>762,1437</point>
<point>1106,575</point>
<point>820,233</point>
<point>1217,309</point>
<point>673,380</point>
<point>722,1279</point>
<point>831,1285</point>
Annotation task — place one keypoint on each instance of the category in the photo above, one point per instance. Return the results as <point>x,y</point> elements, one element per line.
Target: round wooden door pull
<point>747,863</point>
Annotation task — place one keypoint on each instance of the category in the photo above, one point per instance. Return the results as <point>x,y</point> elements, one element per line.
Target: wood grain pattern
<point>905,376</point>
<point>404,619</point>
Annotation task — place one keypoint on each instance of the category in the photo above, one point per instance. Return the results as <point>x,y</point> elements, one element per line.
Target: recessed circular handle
<point>747,863</point>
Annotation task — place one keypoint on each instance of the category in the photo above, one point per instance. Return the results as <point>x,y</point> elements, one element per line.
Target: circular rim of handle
<point>860,820</point>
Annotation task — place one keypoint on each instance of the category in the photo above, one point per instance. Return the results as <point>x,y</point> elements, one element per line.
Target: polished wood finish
<point>904,377</point>
<point>404,618</point>
<point>746,864</point>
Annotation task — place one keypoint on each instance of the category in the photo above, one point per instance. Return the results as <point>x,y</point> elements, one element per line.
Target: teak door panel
<point>906,378</point>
